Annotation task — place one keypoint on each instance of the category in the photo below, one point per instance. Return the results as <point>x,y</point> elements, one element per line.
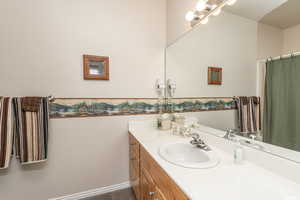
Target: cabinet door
<point>134,165</point>
<point>147,186</point>
<point>149,191</point>
<point>134,178</point>
<point>166,185</point>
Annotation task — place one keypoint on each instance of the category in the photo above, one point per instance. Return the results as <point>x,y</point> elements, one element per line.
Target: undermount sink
<point>188,156</point>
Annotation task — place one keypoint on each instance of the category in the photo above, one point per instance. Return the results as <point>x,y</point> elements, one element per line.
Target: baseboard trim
<point>94,192</point>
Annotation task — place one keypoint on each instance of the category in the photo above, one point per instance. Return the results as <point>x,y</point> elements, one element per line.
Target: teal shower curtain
<point>281,124</point>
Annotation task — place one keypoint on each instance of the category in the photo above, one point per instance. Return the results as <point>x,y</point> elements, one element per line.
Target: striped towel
<point>32,117</point>
<point>249,114</point>
<point>6,131</point>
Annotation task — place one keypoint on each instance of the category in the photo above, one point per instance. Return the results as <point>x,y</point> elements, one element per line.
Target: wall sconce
<point>160,88</point>
<point>171,87</point>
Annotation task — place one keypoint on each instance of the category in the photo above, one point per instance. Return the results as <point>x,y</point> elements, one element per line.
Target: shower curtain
<point>281,124</point>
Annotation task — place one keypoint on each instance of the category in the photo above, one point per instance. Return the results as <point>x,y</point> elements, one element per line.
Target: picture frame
<point>214,76</point>
<point>95,67</point>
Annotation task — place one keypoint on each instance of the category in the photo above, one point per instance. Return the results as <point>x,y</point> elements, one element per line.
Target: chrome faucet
<point>230,134</point>
<point>198,142</point>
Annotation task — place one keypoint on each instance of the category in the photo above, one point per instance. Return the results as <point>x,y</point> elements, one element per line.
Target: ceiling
<point>254,9</point>
<point>285,16</point>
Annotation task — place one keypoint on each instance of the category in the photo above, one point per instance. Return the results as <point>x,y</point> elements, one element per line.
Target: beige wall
<point>49,38</point>
<point>42,43</point>
<point>176,11</point>
<point>273,42</point>
<point>269,41</point>
<point>291,40</point>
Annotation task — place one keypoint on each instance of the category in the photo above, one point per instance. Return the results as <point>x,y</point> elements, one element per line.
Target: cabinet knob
<point>151,193</point>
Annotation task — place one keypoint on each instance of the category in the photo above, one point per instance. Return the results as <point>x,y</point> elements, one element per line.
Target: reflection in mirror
<point>256,44</point>
<point>96,68</point>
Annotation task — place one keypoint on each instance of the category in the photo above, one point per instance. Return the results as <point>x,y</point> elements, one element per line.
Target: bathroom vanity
<point>149,180</point>
<point>154,178</point>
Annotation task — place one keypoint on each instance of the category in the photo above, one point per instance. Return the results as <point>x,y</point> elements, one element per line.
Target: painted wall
<point>291,40</point>
<point>273,42</point>
<point>50,37</point>
<point>42,43</point>
<point>176,11</point>
<point>269,41</point>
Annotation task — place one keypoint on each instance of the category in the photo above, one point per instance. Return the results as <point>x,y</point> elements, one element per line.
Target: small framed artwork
<point>214,76</point>
<point>95,67</point>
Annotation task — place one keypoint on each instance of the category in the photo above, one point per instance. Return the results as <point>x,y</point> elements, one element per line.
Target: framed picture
<point>214,76</point>
<point>95,67</point>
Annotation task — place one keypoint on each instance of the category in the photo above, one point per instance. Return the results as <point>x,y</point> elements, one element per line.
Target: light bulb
<point>231,2</point>
<point>190,16</point>
<point>201,5</point>
<point>204,20</point>
<point>214,6</point>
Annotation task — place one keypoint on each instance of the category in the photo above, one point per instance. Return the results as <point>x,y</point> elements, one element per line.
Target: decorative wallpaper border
<point>98,107</point>
<point>201,104</point>
<point>72,107</point>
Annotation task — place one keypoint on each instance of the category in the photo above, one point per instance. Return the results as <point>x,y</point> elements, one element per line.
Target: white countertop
<point>227,181</point>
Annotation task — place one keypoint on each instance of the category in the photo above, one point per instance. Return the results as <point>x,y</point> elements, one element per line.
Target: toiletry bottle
<point>238,155</point>
<point>164,122</point>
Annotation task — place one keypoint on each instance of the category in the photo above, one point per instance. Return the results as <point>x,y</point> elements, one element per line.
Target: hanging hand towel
<point>6,131</point>
<point>32,117</point>
<point>249,114</point>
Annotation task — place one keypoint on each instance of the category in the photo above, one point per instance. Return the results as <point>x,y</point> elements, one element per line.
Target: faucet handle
<point>231,130</point>
<point>253,136</point>
<point>230,133</point>
<point>195,136</point>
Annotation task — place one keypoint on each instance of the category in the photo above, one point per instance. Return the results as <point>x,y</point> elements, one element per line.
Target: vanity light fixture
<point>206,8</point>
<point>201,5</point>
<point>231,2</point>
<point>217,10</point>
<point>190,16</point>
<point>204,20</point>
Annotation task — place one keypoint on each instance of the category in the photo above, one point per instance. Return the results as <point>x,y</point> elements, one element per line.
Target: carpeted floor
<point>126,194</point>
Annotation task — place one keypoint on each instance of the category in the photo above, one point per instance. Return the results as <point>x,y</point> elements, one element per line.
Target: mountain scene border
<point>100,107</point>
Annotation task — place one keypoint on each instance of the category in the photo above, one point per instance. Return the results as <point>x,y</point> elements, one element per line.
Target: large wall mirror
<point>256,44</point>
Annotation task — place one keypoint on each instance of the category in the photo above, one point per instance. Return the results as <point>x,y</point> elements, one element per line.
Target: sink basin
<point>188,156</point>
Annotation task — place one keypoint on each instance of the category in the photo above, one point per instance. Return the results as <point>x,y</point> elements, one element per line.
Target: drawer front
<point>168,189</point>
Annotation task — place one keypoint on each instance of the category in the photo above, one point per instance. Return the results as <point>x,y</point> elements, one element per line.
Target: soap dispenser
<point>238,155</point>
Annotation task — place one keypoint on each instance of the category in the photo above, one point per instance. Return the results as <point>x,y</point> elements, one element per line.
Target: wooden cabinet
<point>149,191</point>
<point>152,182</point>
<point>134,165</point>
<point>147,186</point>
<point>158,195</point>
